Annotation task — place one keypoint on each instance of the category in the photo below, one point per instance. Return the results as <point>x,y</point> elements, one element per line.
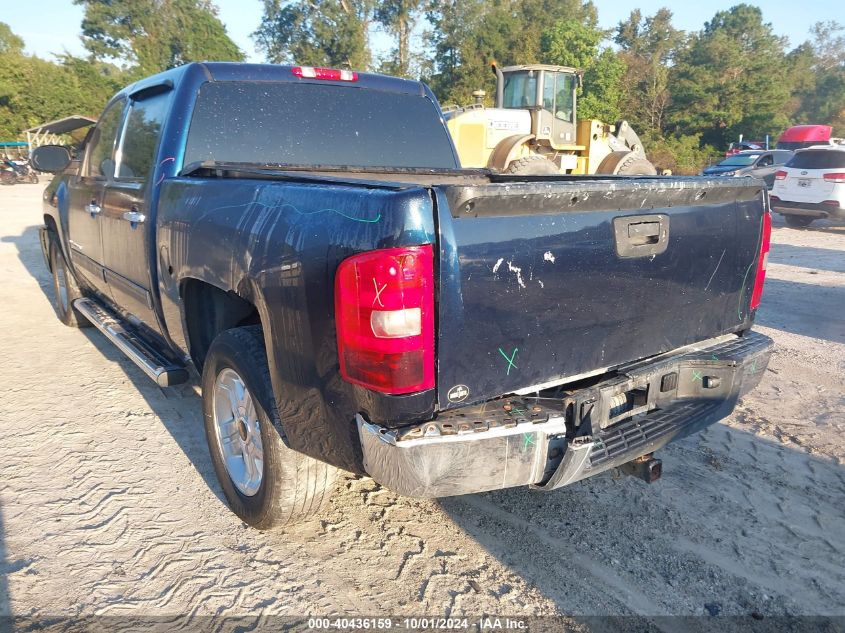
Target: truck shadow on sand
<point>179,408</point>
<point>812,310</point>
<point>734,526</point>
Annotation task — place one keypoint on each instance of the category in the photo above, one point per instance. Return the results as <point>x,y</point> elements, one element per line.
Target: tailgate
<point>547,280</point>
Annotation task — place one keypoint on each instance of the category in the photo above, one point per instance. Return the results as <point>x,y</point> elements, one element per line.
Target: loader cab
<point>549,93</point>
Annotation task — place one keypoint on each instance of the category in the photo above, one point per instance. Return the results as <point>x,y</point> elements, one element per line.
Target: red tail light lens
<point>763,262</point>
<point>329,74</point>
<point>384,306</point>
<point>835,177</point>
<point>780,175</point>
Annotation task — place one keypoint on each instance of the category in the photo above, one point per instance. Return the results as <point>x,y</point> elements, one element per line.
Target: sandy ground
<point>109,506</point>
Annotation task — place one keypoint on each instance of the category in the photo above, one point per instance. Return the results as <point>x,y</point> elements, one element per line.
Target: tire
<point>291,487</point>
<point>799,221</point>
<point>7,178</point>
<point>33,178</point>
<point>636,166</point>
<point>533,165</point>
<point>65,289</point>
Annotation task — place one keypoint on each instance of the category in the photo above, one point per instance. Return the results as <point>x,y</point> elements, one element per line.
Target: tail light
<point>780,175</point>
<point>384,307</point>
<point>329,74</point>
<point>763,261</point>
<point>835,177</point>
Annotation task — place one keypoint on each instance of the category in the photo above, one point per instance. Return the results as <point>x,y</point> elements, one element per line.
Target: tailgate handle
<point>641,235</point>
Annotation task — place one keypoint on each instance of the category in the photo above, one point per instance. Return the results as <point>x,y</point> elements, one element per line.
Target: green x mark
<point>696,375</point>
<point>527,440</point>
<point>510,360</point>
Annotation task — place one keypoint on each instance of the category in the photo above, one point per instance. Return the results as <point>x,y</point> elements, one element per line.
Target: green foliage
<point>470,34</point>
<point>398,18</point>
<point>817,69</point>
<point>730,79</point>
<point>576,43</point>
<point>648,47</point>
<point>153,35</point>
<point>9,42</point>
<point>683,155</point>
<point>333,34</point>
<point>570,43</point>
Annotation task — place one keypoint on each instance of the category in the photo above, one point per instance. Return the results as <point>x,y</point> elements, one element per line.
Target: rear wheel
<point>7,177</point>
<point>33,178</point>
<point>533,165</point>
<point>799,221</point>
<point>266,483</point>
<point>65,289</point>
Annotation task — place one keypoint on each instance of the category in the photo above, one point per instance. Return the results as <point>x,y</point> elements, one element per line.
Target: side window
<point>766,161</point>
<point>782,157</point>
<point>140,137</point>
<point>100,161</point>
<point>563,102</point>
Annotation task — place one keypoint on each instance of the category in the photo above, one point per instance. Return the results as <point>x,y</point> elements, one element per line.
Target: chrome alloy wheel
<point>238,432</point>
<point>61,283</point>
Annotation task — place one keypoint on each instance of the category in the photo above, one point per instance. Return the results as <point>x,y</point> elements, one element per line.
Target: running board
<point>163,371</point>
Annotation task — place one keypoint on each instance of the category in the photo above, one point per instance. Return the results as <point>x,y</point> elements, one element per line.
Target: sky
<point>52,26</point>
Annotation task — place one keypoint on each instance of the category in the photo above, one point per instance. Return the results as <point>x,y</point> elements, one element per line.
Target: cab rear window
<point>297,123</point>
<point>818,159</point>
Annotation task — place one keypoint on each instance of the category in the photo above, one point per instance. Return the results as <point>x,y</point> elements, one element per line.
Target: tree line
<point>688,94</point>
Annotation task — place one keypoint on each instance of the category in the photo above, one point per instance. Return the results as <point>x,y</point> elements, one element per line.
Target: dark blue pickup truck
<point>306,241</point>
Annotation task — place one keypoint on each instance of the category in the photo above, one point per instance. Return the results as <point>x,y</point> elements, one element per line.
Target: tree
<point>731,79</point>
<point>648,47</point>
<point>819,71</point>
<point>469,34</point>
<point>154,35</point>
<point>576,43</point>
<point>333,34</point>
<point>398,18</point>
<point>9,42</point>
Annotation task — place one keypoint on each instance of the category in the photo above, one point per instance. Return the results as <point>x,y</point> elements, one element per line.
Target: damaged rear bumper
<point>551,442</point>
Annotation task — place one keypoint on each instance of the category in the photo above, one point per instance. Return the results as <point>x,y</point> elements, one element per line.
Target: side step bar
<point>165,372</point>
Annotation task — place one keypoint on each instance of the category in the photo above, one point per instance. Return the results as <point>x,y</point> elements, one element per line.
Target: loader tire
<point>633,165</point>
<point>533,165</point>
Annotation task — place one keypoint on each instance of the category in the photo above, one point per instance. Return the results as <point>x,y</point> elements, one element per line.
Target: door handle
<point>641,235</point>
<point>93,208</point>
<point>135,217</point>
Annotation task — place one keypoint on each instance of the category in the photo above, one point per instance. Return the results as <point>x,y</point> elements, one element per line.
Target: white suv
<point>811,185</point>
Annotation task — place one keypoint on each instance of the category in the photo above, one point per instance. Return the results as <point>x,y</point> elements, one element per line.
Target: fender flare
<point>503,152</point>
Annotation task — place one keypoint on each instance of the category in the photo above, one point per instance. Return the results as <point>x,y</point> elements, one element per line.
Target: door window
<point>100,162</point>
<point>765,161</point>
<point>140,137</point>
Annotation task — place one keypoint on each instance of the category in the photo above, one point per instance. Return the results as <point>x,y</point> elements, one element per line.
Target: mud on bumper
<point>549,442</point>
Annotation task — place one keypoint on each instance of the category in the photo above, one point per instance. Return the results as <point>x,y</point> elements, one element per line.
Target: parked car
<point>740,146</point>
<point>760,164</point>
<point>352,299</point>
<point>811,186</point>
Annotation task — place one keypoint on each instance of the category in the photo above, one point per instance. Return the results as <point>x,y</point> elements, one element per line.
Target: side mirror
<point>50,158</point>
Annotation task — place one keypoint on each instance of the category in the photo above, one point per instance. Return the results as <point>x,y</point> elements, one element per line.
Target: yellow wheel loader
<point>534,130</point>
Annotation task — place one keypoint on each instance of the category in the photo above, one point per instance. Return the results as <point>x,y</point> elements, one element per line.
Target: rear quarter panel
<point>278,246</point>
